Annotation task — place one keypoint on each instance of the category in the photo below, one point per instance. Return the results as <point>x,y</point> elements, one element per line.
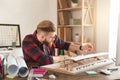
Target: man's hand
<point>88,47</point>
<point>60,58</point>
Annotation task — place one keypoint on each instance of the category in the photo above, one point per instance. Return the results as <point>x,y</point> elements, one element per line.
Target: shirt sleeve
<point>31,49</point>
<point>61,44</point>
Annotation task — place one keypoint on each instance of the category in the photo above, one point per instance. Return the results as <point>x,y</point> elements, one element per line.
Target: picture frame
<point>10,35</point>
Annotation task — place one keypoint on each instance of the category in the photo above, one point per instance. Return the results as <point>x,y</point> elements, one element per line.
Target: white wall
<point>114,24</point>
<point>53,11</point>
<point>27,13</point>
<point>102,25</point>
<point>118,41</point>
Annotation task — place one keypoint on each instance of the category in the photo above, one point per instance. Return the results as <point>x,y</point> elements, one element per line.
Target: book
<point>64,17</point>
<point>39,72</point>
<point>64,4</point>
<point>61,33</point>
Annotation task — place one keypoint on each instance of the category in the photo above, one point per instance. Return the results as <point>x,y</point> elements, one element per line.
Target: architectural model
<point>81,64</point>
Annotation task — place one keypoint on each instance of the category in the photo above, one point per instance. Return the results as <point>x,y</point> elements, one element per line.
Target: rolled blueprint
<point>23,69</point>
<point>12,66</point>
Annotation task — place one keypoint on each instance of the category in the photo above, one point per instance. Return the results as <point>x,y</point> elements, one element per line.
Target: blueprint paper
<point>77,58</point>
<point>23,69</point>
<point>18,52</point>
<point>12,66</point>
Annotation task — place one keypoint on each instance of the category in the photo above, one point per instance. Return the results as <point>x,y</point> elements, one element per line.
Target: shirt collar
<point>35,35</point>
<point>35,32</point>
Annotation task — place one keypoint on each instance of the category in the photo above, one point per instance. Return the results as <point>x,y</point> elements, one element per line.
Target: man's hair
<point>46,26</point>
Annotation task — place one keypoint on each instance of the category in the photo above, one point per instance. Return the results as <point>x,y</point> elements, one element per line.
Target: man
<point>39,47</point>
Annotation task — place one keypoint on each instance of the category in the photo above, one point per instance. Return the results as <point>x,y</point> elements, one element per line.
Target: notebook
<point>39,72</point>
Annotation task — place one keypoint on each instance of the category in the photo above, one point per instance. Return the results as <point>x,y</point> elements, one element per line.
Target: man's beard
<point>49,44</point>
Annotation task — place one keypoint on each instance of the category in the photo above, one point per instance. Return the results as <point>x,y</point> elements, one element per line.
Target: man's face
<point>49,38</point>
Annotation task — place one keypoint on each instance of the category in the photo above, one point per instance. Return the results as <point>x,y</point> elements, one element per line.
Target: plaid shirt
<point>34,52</point>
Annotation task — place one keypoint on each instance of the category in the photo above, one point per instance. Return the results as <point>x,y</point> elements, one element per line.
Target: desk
<point>80,76</point>
<point>115,74</point>
<point>59,76</point>
<point>16,78</point>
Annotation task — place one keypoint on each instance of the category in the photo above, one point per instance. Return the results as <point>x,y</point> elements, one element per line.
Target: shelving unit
<point>79,19</point>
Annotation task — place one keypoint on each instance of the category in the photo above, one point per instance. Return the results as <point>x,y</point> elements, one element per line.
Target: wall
<point>114,24</point>
<point>53,11</point>
<point>27,13</point>
<point>118,41</point>
<point>102,25</point>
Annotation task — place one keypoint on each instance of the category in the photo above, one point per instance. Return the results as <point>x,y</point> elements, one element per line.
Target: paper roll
<point>12,67</point>
<point>23,69</point>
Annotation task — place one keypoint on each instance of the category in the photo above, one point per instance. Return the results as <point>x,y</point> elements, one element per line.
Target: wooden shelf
<point>70,9</point>
<point>88,25</point>
<point>85,25</point>
<point>79,19</point>
<point>69,25</point>
<point>73,8</point>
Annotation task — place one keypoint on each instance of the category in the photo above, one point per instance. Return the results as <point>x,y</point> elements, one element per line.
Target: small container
<point>77,37</point>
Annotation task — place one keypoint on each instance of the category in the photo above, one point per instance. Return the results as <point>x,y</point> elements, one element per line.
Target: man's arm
<point>60,44</point>
<point>73,47</point>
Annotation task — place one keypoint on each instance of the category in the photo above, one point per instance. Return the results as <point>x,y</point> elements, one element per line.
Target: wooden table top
<point>80,76</point>
<point>61,76</point>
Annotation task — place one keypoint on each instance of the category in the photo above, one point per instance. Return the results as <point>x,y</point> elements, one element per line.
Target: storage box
<point>75,21</point>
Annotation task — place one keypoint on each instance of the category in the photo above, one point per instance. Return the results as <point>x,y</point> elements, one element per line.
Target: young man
<point>39,47</point>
